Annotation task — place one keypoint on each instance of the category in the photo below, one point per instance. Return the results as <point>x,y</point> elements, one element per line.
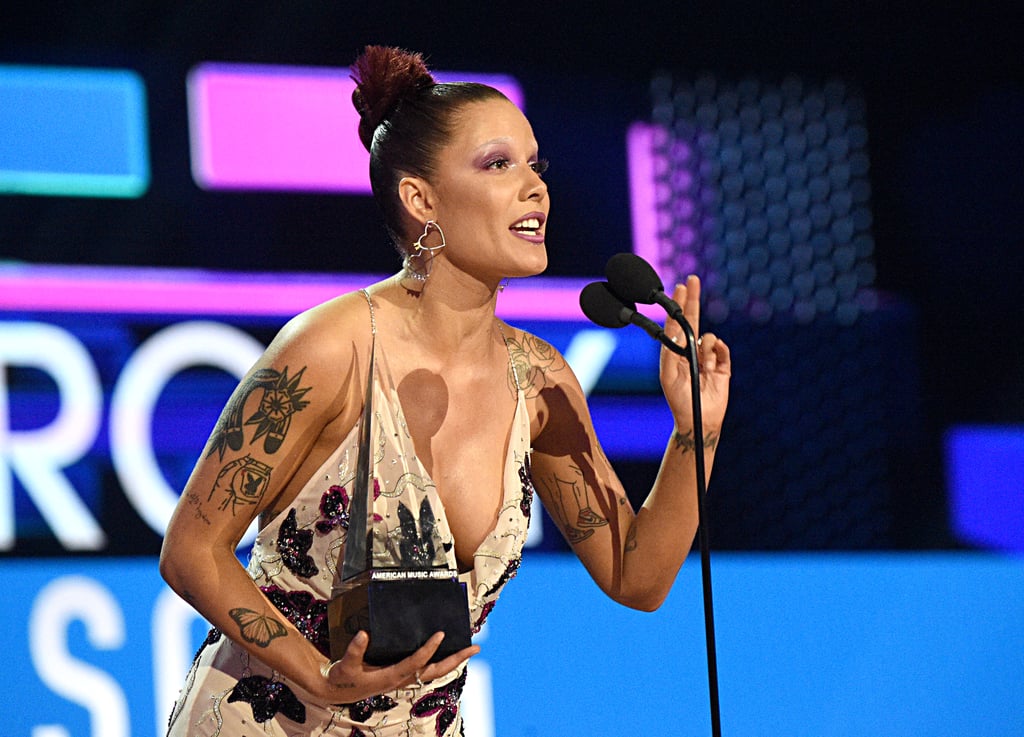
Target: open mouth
<point>528,226</point>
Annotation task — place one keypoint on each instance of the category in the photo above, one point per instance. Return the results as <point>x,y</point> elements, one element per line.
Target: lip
<point>539,237</point>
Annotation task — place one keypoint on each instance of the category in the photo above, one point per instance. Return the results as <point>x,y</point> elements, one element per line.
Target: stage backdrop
<point>809,645</point>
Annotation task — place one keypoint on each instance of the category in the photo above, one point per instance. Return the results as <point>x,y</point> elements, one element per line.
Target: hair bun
<point>384,75</point>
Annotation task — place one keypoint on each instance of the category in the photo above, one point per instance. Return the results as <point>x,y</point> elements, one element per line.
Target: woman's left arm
<point>633,556</point>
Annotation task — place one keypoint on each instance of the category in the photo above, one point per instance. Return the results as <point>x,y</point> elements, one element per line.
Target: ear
<point>417,198</point>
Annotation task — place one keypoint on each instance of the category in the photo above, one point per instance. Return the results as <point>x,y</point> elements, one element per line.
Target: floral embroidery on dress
<point>305,611</point>
<point>444,702</point>
<point>294,545</point>
<point>360,711</point>
<point>416,547</point>
<point>268,698</point>
<point>334,511</point>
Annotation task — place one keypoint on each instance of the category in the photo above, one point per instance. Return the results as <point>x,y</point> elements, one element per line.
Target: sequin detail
<point>305,611</point>
<point>211,637</point>
<point>333,510</point>
<point>444,702</point>
<point>526,501</point>
<point>268,698</point>
<point>294,545</point>
<point>484,612</point>
<point>417,546</point>
<point>507,575</point>
<point>360,711</point>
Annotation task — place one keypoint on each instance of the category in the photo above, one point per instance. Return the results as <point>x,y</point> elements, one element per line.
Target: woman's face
<point>490,199</point>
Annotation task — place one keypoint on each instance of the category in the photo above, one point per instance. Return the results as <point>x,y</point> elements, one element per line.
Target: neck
<point>452,314</point>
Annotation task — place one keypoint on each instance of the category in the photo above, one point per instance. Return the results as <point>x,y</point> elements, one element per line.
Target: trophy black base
<point>400,614</point>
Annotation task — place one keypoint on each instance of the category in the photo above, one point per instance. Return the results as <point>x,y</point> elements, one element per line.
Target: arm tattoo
<point>631,539</point>
<point>241,483</point>
<point>572,506</point>
<point>192,499</point>
<point>532,359</point>
<point>257,629</point>
<point>282,397</point>
<point>686,443</point>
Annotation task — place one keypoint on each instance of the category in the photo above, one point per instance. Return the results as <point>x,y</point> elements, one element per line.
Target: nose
<point>535,187</point>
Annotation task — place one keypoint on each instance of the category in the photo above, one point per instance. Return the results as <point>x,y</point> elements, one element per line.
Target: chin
<point>533,269</point>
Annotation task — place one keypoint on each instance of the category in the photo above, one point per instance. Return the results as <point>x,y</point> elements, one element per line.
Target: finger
<point>672,329</point>
<point>691,303</point>
<point>357,647</point>
<point>417,662</point>
<point>438,669</point>
<point>723,357</point>
<point>706,351</point>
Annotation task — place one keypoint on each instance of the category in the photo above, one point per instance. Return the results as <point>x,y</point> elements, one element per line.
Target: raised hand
<point>714,366</point>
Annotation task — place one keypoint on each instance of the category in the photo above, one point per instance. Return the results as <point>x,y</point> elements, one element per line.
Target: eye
<point>539,167</point>
<point>498,163</point>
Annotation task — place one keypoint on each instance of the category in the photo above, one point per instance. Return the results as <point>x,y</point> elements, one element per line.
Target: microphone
<point>601,306</point>
<point>634,280</point>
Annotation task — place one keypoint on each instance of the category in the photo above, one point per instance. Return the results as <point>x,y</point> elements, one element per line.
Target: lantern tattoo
<point>282,398</point>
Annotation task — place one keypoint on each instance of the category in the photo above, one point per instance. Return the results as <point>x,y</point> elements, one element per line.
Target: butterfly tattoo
<point>259,629</point>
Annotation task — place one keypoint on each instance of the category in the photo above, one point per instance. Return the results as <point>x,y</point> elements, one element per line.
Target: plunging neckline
<point>387,384</point>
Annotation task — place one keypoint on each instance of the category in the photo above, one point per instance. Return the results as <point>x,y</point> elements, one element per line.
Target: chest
<point>461,428</point>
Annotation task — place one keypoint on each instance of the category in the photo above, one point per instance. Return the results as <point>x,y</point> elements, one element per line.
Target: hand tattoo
<point>685,442</point>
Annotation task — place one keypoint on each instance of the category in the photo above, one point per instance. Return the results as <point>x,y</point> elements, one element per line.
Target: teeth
<point>529,224</point>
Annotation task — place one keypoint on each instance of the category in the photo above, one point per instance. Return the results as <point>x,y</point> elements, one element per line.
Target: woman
<point>486,411</point>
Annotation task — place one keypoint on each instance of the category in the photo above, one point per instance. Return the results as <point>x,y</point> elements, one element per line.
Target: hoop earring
<point>418,251</point>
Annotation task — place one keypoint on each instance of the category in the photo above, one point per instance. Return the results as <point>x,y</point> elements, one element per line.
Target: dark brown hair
<point>405,119</point>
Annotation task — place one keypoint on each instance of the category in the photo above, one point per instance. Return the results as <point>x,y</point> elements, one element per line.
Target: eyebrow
<point>505,140</point>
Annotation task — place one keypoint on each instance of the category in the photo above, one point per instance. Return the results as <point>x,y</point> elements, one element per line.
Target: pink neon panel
<point>194,292</point>
<point>643,204</point>
<point>284,128</point>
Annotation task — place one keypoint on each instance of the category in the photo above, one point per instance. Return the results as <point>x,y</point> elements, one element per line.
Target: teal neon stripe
<point>73,132</point>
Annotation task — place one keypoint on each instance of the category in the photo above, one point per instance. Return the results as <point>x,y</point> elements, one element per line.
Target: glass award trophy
<point>393,580</point>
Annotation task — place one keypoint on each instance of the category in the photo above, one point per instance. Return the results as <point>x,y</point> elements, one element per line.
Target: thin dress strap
<point>373,317</point>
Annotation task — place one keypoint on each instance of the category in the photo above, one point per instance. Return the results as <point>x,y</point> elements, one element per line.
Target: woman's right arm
<point>308,378</point>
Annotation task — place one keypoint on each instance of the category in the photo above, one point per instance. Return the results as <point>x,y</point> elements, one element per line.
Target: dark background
<point>945,109</point>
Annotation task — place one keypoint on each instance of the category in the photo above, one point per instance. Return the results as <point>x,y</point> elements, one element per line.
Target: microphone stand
<point>690,352</point>
<point>605,308</point>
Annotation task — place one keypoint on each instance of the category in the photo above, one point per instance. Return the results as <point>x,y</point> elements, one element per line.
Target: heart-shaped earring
<point>430,227</point>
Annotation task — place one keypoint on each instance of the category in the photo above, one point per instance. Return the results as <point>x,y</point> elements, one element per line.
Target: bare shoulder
<point>554,397</point>
<point>327,331</point>
<point>326,349</point>
<point>536,364</point>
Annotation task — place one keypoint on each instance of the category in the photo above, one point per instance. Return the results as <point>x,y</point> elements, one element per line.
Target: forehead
<point>494,120</point>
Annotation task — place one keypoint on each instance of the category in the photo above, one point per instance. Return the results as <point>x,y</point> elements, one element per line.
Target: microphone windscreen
<point>632,279</point>
<point>602,307</point>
